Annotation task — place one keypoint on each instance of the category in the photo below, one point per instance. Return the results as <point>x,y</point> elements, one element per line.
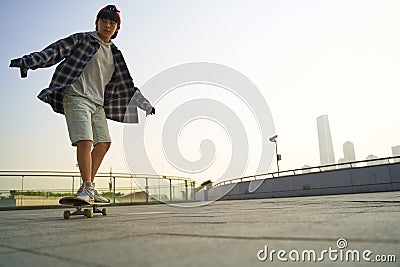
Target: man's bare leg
<point>97,156</point>
<point>84,158</point>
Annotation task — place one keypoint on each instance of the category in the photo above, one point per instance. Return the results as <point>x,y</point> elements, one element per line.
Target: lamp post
<point>278,157</point>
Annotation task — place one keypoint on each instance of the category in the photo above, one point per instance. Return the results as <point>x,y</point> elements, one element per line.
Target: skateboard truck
<point>82,207</point>
<point>85,212</point>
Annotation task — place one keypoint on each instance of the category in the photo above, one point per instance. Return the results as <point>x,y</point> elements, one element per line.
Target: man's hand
<point>152,111</point>
<point>19,63</point>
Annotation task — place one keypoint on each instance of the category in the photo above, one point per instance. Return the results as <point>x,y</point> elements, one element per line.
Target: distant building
<point>375,162</point>
<point>370,157</point>
<point>326,153</point>
<point>306,169</point>
<point>396,152</point>
<point>348,152</point>
<point>341,161</point>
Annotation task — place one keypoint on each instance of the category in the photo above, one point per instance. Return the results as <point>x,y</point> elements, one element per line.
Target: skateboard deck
<point>79,205</point>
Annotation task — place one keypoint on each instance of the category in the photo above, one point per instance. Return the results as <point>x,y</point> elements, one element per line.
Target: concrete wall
<point>376,178</point>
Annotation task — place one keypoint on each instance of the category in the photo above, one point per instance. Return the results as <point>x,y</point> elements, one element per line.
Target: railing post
<point>147,190</point>
<point>73,184</point>
<point>193,189</point>
<point>159,190</point>
<point>131,192</point>
<point>170,190</point>
<point>22,189</point>
<point>186,189</point>
<point>114,190</point>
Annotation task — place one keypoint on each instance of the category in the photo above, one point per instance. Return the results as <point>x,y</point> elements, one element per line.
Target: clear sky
<point>307,57</point>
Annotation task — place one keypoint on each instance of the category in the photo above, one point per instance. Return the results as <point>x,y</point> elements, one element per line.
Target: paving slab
<point>306,230</point>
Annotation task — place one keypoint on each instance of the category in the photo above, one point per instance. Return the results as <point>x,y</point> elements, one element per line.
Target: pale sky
<point>308,58</point>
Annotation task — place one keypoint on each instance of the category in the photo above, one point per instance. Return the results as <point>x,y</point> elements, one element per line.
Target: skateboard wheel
<point>89,213</point>
<point>67,214</point>
<point>104,211</point>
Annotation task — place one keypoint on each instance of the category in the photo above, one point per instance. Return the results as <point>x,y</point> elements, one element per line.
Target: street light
<point>273,138</point>
<point>278,157</point>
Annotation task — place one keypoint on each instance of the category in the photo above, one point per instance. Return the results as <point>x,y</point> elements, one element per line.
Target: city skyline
<point>327,152</point>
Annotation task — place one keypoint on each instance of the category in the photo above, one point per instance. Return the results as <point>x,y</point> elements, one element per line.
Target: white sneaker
<point>87,193</point>
<point>98,198</point>
<point>79,191</point>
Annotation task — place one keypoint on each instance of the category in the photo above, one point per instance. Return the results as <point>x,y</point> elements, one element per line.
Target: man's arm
<point>49,56</point>
<point>141,102</point>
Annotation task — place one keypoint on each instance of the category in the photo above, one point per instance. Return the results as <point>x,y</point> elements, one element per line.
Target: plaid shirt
<point>121,97</point>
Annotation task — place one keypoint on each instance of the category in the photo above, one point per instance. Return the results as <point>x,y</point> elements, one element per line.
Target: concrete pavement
<point>223,233</point>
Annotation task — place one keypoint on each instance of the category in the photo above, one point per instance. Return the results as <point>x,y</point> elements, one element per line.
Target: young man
<point>91,84</point>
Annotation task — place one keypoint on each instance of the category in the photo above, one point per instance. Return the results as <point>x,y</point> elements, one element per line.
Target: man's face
<point>106,28</point>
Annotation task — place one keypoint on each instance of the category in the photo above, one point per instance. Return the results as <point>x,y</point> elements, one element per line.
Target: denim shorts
<point>85,120</point>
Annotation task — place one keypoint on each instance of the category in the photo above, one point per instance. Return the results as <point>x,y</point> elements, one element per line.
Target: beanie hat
<point>112,13</point>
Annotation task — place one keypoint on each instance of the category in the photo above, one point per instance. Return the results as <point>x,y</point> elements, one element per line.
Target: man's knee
<point>104,146</point>
<point>84,144</point>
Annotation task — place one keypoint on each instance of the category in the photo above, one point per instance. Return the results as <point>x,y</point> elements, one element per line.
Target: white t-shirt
<point>96,74</point>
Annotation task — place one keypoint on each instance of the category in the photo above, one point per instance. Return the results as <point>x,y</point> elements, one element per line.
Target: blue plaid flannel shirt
<point>121,97</point>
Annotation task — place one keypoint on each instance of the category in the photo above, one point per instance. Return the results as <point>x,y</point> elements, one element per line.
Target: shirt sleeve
<point>52,54</point>
<point>140,101</point>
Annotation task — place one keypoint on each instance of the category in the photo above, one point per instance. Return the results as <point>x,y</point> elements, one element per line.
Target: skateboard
<point>82,207</point>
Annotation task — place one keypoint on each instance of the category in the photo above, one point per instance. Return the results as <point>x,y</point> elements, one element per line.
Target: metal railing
<point>316,169</point>
<point>44,188</point>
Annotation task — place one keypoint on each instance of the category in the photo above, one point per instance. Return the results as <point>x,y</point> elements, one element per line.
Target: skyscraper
<point>348,152</point>
<point>326,153</point>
